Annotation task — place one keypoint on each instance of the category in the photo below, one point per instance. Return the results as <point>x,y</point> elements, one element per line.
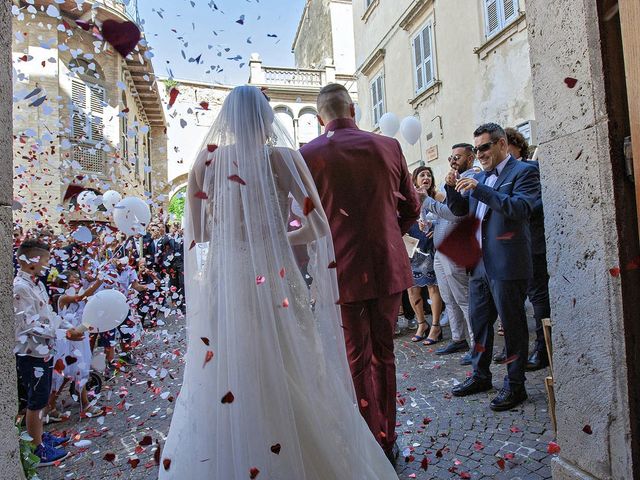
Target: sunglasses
<point>484,147</point>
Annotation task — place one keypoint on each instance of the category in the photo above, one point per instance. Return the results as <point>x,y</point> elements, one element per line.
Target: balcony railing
<point>293,77</point>
<point>127,7</point>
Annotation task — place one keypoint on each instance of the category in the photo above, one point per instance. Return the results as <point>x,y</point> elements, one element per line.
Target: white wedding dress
<point>267,392</point>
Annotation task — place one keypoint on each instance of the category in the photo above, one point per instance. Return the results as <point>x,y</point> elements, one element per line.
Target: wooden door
<point>630,19</point>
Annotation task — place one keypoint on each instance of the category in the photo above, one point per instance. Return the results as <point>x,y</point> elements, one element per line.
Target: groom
<point>366,191</point>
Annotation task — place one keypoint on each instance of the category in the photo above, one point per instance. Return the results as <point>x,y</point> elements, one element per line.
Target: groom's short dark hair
<point>334,101</point>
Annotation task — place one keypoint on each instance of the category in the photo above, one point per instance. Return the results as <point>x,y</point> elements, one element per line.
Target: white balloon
<point>110,198</point>
<point>411,129</point>
<point>358,112</point>
<point>389,124</point>
<point>87,201</point>
<point>132,215</point>
<point>105,310</point>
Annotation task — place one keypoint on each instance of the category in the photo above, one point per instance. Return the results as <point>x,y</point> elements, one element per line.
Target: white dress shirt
<point>481,209</point>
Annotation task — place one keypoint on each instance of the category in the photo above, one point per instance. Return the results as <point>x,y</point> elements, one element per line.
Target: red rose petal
<point>146,441</point>
<point>212,147</point>
<point>587,429</point>
<point>514,429</point>
<point>364,403</point>
<point>205,340</point>
<point>615,271</point>
<point>228,398</point>
<point>333,264</point>
<point>204,105</point>
<point>553,448</point>
<point>506,236</point>
<point>571,82</point>
<point>461,245</point>
<point>509,360</point>
<point>207,357</point>
<point>276,448</point>
<point>424,464</point>
<point>253,473</point>
<point>500,463</point>
<point>193,244</point>
<point>260,280</point>
<point>285,303</point>
<point>109,457</point>
<point>166,463</point>
<point>173,94</point>
<point>201,195</point>
<point>133,462</point>
<point>123,36</point>
<point>282,272</point>
<point>237,179</point>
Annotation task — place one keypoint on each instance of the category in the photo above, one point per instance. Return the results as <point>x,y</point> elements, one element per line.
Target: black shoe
<point>466,360</point>
<point>393,454</point>
<point>470,386</point>
<point>508,399</point>
<point>453,347</point>
<point>500,357</point>
<point>537,360</point>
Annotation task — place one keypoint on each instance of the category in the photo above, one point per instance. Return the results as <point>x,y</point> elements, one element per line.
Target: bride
<point>267,392</point>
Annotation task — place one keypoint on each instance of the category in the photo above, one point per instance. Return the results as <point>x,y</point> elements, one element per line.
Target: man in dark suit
<point>538,291</point>
<point>367,194</point>
<point>502,198</point>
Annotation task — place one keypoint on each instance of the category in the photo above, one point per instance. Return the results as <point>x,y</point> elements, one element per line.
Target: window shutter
<point>418,58</point>
<point>492,17</point>
<point>380,97</point>
<point>510,10</point>
<point>78,115</point>
<point>375,100</point>
<point>428,55</point>
<point>97,112</point>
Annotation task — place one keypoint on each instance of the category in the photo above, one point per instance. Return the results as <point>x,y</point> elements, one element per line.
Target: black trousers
<point>489,298</point>
<point>538,294</point>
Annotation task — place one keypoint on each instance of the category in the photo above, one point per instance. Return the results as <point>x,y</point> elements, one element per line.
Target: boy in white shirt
<point>36,325</point>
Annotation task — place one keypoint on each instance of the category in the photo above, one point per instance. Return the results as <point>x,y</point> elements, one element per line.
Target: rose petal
<point>237,179</point>
<point>228,398</point>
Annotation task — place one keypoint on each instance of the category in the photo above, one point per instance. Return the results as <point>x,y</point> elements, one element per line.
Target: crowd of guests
<point>55,276</point>
<point>511,262</point>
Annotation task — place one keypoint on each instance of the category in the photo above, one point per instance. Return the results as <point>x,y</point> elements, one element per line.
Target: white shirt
<point>35,320</point>
<point>481,209</point>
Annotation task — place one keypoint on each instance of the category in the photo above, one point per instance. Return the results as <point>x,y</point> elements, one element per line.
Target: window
<point>424,58</point>
<point>308,126</point>
<point>377,98</point>
<point>498,14</point>
<point>87,124</point>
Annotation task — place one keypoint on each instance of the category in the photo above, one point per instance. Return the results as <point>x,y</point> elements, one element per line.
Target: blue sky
<point>211,37</point>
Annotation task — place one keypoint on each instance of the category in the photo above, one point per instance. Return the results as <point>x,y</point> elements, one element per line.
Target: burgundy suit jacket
<point>370,201</point>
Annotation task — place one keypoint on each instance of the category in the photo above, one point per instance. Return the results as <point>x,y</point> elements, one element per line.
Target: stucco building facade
<point>453,67</point>
<point>84,116</point>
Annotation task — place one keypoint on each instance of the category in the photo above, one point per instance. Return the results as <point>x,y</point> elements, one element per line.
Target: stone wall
<point>582,241</point>
<point>314,43</point>
<point>9,455</point>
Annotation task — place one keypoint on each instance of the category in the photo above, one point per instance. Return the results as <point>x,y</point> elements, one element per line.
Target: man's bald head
<point>334,102</point>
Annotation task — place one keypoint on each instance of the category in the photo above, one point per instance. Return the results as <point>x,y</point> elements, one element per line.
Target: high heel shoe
<point>425,334</point>
<point>431,341</point>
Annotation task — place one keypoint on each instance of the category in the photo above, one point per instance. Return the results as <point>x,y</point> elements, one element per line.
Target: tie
<point>491,172</point>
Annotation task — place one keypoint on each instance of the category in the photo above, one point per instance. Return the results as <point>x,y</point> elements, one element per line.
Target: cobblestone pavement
<point>460,437</point>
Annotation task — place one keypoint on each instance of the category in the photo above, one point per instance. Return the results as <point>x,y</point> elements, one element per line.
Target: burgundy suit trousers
<point>368,329</point>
